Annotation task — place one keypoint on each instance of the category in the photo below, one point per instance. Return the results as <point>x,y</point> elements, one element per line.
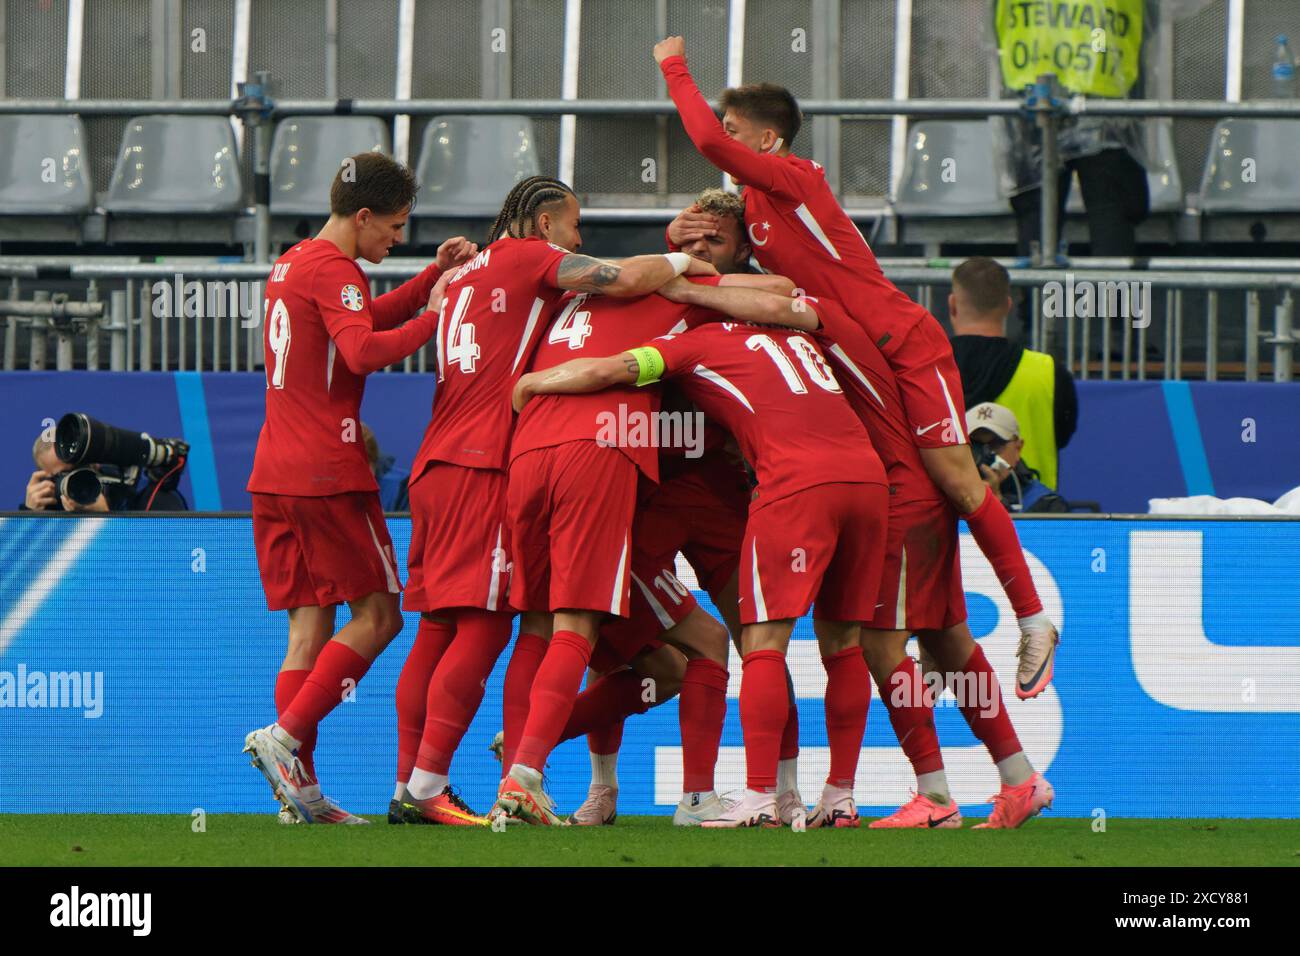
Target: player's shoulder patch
<point>352,298</point>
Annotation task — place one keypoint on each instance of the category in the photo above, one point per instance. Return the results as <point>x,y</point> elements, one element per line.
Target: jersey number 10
<point>808,356</point>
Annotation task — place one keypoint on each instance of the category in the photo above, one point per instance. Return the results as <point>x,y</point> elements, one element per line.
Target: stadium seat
<point>468,163</point>
<point>1271,147</point>
<point>176,164</point>
<point>966,187</point>
<point>305,156</point>
<point>28,186</point>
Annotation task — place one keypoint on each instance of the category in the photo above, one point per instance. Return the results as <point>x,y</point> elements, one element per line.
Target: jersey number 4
<point>458,346</point>
<point>571,326</point>
<point>808,356</point>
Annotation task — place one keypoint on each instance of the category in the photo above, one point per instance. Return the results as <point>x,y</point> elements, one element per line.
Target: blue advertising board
<point>136,652</point>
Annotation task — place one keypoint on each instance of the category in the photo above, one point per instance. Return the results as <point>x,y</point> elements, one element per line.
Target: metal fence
<point>1163,321</point>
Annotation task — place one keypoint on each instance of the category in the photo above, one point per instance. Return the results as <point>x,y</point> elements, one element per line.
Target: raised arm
<point>576,377</point>
<point>391,309</point>
<point>744,304</point>
<point>363,349</point>
<point>706,132</point>
<point>777,285</point>
<point>626,278</point>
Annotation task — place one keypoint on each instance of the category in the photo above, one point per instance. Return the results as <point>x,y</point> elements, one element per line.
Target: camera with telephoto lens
<point>984,453</point>
<point>81,440</point>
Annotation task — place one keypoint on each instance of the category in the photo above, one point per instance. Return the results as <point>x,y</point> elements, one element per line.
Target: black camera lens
<point>82,486</point>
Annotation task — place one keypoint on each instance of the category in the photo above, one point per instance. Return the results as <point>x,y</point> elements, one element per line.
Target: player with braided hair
<point>497,306</point>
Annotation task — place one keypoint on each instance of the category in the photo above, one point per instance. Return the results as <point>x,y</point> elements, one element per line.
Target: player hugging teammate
<point>843,399</point>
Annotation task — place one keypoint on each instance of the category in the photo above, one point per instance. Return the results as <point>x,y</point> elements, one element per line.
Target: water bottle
<point>1283,71</point>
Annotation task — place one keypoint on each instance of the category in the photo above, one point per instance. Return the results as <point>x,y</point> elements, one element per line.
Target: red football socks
<point>338,669</point>
<point>527,657</point>
<point>605,701</point>
<point>764,711</point>
<point>995,533</point>
<point>848,697</point>
<point>911,712</point>
<point>554,689</point>
<point>287,685</point>
<point>790,735</point>
<point>702,710</point>
<point>456,690</point>
<point>431,641</point>
<point>986,715</point>
<point>606,740</point>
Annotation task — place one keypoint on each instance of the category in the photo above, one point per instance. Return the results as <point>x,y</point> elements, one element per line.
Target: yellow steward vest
<point>1031,395</point>
<point>1093,46</point>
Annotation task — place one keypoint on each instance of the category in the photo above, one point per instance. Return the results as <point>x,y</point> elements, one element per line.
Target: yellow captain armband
<point>650,364</point>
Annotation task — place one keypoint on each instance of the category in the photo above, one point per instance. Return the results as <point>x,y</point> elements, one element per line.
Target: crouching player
<point>317,522</point>
<point>814,531</point>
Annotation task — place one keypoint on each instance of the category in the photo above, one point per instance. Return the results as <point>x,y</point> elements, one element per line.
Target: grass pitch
<point>253,840</point>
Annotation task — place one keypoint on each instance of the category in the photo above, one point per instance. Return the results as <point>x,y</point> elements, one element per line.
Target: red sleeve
<point>393,308</point>
<point>363,349</point>
<point>680,352</point>
<point>762,171</point>
<point>705,280</point>
<point>540,262</point>
<point>672,246</point>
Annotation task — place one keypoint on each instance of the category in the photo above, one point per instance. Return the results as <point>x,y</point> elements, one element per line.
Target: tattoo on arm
<point>585,273</point>
<point>632,366</point>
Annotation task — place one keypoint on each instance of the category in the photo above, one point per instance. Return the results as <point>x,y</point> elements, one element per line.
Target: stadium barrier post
<point>1283,340</point>
<point>117,329</point>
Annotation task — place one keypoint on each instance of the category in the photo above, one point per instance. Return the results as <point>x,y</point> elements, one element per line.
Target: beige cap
<point>998,419</point>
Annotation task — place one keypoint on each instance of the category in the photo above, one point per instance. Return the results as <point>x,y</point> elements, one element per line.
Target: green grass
<point>244,840</point>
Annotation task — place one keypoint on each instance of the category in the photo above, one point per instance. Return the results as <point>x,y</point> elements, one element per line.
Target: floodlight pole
<point>254,107</point>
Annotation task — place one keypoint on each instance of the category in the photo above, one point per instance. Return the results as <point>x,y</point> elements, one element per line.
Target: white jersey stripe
<point>900,605</point>
<point>439,345</point>
<point>709,375</point>
<point>494,589</point>
<point>760,606</point>
<point>393,586</point>
<point>856,372</point>
<point>533,316</point>
<point>806,217</point>
<point>665,619</point>
<point>957,422</point>
<point>616,602</point>
<point>329,365</point>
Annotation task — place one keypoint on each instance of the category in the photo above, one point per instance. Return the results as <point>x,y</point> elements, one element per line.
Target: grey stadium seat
<point>468,163</point>
<point>1274,146</point>
<point>305,157</point>
<point>29,142</point>
<point>174,164</point>
<point>973,189</point>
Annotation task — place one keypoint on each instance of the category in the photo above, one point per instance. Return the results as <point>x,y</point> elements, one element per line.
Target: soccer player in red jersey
<point>815,523</point>
<point>317,523</point>
<point>497,306</point>
<point>798,230</point>
<point>921,591</point>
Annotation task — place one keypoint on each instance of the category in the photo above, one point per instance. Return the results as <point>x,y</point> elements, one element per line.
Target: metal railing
<point>142,308</point>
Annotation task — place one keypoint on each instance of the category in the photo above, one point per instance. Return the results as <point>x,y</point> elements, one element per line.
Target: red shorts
<point>920,586</point>
<point>460,540</point>
<point>317,552</point>
<point>701,513</point>
<point>821,545</point>
<point>930,385</point>
<point>571,508</point>
<point>659,603</point>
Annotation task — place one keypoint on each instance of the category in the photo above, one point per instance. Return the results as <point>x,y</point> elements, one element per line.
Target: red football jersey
<point>773,390</point>
<point>497,306</point>
<point>591,326</point>
<point>323,334</point>
<point>795,224</point>
<point>873,393</point>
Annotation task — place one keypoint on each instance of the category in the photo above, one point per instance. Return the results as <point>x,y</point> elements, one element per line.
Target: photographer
<point>997,446</point>
<point>91,467</point>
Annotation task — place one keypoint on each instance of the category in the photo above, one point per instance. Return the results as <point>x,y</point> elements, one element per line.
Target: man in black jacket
<point>1037,388</point>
